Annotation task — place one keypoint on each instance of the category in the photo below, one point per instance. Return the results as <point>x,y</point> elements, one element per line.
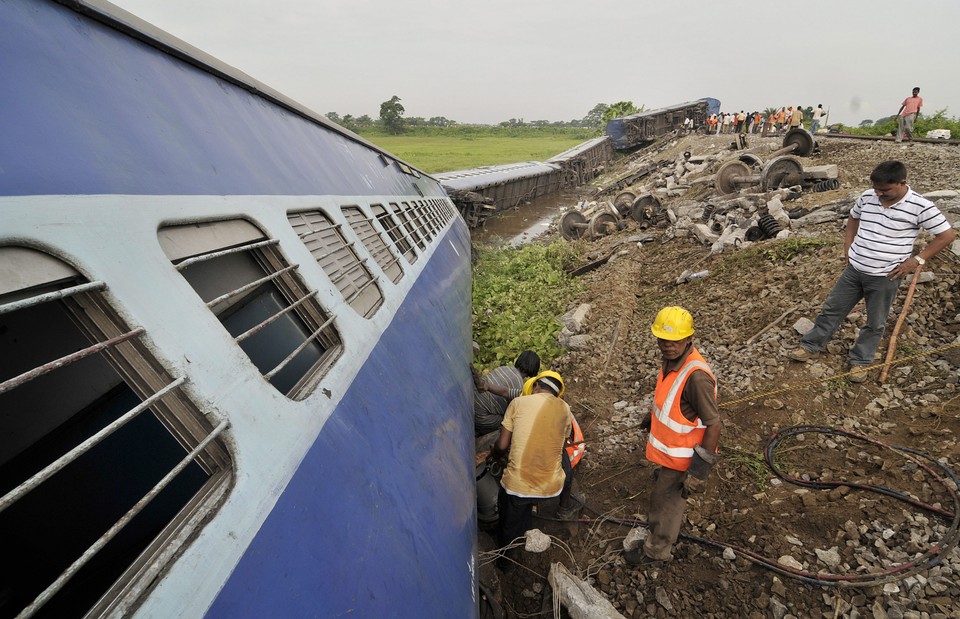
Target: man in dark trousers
<point>878,245</point>
<point>684,433</point>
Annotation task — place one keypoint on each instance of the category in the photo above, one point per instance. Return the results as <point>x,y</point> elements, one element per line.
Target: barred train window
<point>338,260</point>
<point>374,243</point>
<point>395,232</point>
<point>105,464</point>
<point>403,217</point>
<point>259,298</point>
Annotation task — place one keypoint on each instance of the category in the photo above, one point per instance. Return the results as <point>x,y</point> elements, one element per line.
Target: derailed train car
<point>478,192</point>
<point>633,130</point>
<point>235,339</point>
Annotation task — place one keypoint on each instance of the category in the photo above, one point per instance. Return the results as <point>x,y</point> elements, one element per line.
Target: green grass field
<point>443,153</point>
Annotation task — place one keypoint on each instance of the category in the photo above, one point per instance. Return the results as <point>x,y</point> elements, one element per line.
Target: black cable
<point>925,561</point>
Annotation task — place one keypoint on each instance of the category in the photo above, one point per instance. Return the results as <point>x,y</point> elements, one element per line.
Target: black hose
<point>930,558</point>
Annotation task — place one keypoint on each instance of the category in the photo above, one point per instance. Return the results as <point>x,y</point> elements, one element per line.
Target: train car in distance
<point>235,370</point>
<point>634,130</point>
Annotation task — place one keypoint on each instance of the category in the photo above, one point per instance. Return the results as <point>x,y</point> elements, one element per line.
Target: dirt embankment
<point>745,310</point>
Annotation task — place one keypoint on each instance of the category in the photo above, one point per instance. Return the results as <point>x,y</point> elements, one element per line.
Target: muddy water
<point>524,223</point>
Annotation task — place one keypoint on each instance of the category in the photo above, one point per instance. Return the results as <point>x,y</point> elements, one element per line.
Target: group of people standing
<point>683,427</point>
<point>784,118</point>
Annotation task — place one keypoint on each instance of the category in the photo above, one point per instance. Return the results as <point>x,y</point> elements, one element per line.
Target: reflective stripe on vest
<point>672,436</point>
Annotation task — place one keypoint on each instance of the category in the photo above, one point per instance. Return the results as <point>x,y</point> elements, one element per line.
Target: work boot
<point>858,374</point>
<point>639,558</point>
<point>802,354</point>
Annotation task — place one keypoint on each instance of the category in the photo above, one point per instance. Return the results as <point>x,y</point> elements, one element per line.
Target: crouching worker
<point>534,430</point>
<point>684,432</point>
<point>493,393</point>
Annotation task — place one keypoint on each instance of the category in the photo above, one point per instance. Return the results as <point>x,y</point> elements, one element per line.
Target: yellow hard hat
<point>673,323</point>
<point>530,382</point>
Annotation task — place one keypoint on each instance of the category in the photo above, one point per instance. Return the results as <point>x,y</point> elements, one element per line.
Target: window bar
<point>353,267</point>
<point>26,377</point>
<point>252,285</point>
<point>14,495</point>
<point>364,239</point>
<point>51,296</point>
<point>299,348</point>
<point>89,553</point>
<point>360,288</point>
<point>226,252</point>
<point>259,327</point>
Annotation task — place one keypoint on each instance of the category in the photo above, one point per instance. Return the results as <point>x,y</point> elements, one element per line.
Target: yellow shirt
<point>540,423</point>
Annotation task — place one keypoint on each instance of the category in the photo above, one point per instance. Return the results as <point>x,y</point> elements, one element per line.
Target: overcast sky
<point>485,61</point>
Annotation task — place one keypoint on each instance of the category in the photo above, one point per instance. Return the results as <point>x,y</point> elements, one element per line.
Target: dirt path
<point>839,531</point>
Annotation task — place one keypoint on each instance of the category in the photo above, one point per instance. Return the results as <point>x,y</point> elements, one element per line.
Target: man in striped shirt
<point>878,245</point>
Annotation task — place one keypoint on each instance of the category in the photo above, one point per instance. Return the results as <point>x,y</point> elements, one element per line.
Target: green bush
<point>517,295</point>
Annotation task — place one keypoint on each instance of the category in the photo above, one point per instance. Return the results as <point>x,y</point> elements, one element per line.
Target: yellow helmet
<point>673,323</point>
<point>530,382</point>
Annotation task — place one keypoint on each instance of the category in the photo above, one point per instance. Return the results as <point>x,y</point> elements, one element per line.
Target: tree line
<point>393,121</point>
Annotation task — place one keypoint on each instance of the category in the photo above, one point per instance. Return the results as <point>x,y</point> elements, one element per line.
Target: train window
<point>395,232</point>
<point>414,211</point>
<point>106,466</point>
<point>374,243</point>
<point>426,212</point>
<point>402,215</point>
<point>259,298</point>
<point>338,260</point>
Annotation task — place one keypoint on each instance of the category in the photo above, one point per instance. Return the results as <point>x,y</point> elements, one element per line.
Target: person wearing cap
<point>684,433</point>
<point>533,433</point>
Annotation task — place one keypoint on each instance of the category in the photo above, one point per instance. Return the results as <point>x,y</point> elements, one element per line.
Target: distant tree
<point>866,123</point>
<point>621,109</point>
<point>768,111</point>
<point>334,117</point>
<point>391,115</point>
<point>415,121</point>
<point>439,121</point>
<point>364,121</point>
<point>594,117</point>
<point>540,123</point>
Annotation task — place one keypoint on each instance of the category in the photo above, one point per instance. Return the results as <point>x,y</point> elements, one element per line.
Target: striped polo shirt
<point>886,235</point>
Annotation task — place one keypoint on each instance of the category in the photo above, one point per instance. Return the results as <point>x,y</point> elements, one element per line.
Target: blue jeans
<point>814,125</point>
<point>876,290</point>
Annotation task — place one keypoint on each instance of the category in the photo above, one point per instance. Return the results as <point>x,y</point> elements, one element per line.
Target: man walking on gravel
<point>878,246</point>
<point>909,110</point>
<point>684,432</point>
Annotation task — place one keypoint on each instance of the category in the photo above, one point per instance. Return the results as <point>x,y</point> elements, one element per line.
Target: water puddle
<point>522,224</point>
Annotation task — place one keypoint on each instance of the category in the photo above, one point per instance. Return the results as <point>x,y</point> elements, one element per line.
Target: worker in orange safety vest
<point>684,432</point>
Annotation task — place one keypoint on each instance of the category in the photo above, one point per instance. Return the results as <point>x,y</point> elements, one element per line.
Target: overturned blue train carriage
<point>636,129</point>
<point>235,340</point>
<point>479,192</point>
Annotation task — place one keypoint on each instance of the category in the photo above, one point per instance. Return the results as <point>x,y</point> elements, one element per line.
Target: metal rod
<point>51,296</point>
<point>297,350</point>
<point>26,377</point>
<point>60,463</point>
<point>251,285</point>
<point>226,252</point>
<point>89,553</point>
<point>255,329</point>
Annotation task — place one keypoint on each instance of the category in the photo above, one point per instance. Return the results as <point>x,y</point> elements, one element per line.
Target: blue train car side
<point>633,130</point>
<point>236,344</point>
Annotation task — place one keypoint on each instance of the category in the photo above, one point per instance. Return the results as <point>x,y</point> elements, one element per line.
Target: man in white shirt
<point>878,245</point>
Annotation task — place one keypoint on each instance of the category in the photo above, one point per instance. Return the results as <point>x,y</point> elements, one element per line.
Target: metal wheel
<point>645,210</point>
<point>724,181</point>
<point>603,224</point>
<point>572,225</point>
<point>803,139</point>
<point>783,171</point>
<point>751,160</point>
<point>623,201</point>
